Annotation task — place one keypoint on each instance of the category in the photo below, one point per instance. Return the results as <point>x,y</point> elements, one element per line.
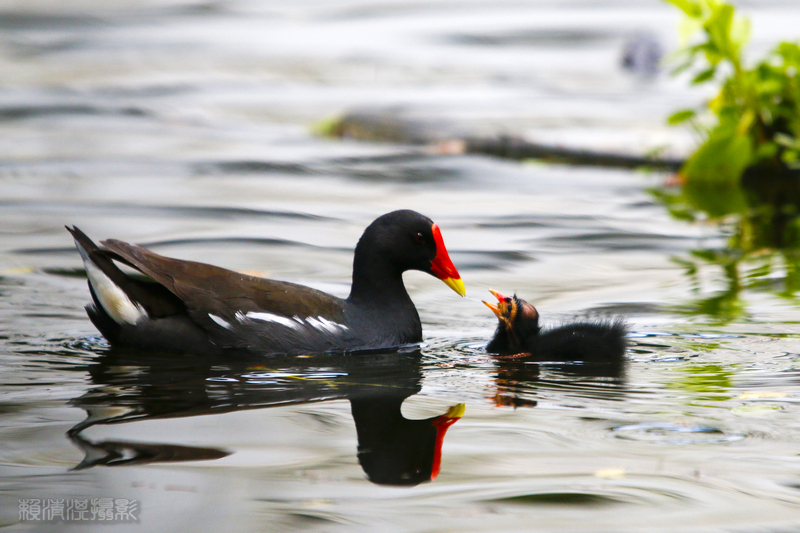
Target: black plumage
<point>193,307</point>
<point>519,332</point>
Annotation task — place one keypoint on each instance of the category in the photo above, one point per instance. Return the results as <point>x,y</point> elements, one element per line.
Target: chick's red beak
<point>500,297</point>
<point>442,267</point>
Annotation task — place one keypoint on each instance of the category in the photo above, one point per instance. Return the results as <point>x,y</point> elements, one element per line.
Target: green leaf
<point>712,174</point>
<point>767,150</point>
<point>769,87</point>
<point>790,157</point>
<point>713,54</point>
<point>740,32</point>
<point>692,9</point>
<point>719,23</point>
<point>790,52</point>
<point>704,76</point>
<point>681,68</point>
<point>718,28</point>
<point>687,27</point>
<point>681,116</point>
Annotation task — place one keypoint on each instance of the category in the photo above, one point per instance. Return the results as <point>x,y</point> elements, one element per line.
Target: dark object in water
<point>393,125</point>
<point>642,55</point>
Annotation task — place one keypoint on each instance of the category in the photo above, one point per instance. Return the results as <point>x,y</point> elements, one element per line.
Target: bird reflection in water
<point>521,349</point>
<point>392,449</point>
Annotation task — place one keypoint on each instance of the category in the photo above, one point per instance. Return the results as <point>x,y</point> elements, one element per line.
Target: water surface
<point>187,127</point>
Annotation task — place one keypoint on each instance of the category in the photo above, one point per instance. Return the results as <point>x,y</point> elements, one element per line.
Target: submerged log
<point>396,126</point>
<point>518,148</point>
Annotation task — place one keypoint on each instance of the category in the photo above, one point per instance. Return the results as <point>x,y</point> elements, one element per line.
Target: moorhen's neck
<point>377,281</point>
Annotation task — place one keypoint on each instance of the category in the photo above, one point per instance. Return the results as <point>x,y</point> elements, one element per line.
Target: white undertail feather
<point>113,299</point>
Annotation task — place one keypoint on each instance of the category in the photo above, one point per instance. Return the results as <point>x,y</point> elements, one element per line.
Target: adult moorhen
<point>519,333</point>
<point>203,309</point>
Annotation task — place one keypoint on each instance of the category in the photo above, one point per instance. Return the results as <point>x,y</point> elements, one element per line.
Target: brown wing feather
<point>218,290</point>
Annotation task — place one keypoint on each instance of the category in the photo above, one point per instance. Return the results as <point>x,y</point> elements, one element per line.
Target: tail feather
<point>133,311</point>
<point>107,283</point>
<point>122,298</point>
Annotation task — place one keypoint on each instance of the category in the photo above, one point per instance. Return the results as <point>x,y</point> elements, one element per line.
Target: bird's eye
<point>419,238</point>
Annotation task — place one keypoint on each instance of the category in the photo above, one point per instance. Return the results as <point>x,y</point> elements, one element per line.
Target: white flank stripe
<point>332,324</point>
<point>269,317</point>
<point>323,324</point>
<point>313,322</point>
<point>220,321</point>
<point>296,322</point>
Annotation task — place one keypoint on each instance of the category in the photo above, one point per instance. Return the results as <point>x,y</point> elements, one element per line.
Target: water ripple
<point>675,433</point>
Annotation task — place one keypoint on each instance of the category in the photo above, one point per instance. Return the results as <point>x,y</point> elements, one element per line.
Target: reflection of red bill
<point>441,424</point>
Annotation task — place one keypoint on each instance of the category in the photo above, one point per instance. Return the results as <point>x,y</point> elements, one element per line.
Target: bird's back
<point>582,341</point>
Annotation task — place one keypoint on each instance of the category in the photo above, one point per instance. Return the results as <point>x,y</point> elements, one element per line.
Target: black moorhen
<point>197,308</point>
<point>519,333</point>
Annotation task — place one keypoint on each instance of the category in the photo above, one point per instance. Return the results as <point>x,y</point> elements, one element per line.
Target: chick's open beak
<point>501,309</point>
<point>496,310</point>
<point>505,310</point>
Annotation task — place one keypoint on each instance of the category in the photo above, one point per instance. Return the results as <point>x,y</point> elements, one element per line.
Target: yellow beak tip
<point>457,285</point>
<point>456,411</point>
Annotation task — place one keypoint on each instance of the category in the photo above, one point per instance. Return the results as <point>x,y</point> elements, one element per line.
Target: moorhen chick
<point>198,308</point>
<point>519,333</point>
